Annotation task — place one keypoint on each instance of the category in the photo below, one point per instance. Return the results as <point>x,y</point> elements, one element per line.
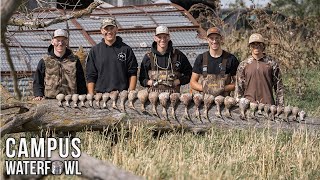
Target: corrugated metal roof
<point>136,26</point>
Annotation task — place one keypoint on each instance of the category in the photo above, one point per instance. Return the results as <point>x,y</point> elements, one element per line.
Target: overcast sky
<point>248,3</point>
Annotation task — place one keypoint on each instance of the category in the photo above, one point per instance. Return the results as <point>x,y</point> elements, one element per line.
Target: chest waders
<point>60,77</point>
<point>163,78</point>
<point>214,83</point>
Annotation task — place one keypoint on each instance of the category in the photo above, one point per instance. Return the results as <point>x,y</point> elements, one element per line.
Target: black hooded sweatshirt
<point>183,65</point>
<point>110,67</point>
<point>38,81</point>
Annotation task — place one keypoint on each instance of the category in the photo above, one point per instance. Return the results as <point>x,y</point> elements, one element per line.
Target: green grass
<point>310,99</point>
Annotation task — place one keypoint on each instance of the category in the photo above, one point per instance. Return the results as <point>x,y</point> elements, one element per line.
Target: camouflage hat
<point>60,33</point>
<point>109,21</point>
<point>162,30</point>
<point>256,38</point>
<point>214,30</point>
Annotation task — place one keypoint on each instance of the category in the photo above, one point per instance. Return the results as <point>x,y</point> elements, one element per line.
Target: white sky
<point>248,3</point>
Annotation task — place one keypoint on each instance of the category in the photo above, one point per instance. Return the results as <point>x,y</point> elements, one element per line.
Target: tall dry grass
<point>218,154</point>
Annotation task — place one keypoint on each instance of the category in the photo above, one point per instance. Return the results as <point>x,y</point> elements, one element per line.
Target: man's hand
<point>176,82</point>
<point>150,82</point>
<point>38,98</point>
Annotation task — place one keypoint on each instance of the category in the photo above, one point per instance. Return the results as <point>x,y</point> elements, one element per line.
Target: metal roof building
<point>136,27</point>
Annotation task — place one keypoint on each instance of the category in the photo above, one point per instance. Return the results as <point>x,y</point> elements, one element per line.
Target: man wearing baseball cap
<point>59,71</point>
<point>214,70</point>
<point>111,64</point>
<point>259,75</point>
<point>164,68</point>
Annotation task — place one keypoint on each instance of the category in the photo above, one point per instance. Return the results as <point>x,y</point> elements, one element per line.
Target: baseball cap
<point>60,33</point>
<point>214,30</point>
<point>109,21</point>
<point>255,37</point>
<point>162,30</point>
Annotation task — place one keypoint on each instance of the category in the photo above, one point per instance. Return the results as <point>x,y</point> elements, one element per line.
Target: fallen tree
<point>47,115</point>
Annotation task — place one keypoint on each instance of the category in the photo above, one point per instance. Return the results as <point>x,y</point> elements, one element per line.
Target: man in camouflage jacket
<point>259,75</point>
<point>59,71</point>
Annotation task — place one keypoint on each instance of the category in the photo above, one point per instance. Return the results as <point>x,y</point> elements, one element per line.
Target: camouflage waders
<point>163,78</point>
<point>214,83</point>
<point>60,77</point>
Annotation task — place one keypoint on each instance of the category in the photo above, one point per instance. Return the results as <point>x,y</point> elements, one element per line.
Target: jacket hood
<point>155,51</point>
<point>51,52</point>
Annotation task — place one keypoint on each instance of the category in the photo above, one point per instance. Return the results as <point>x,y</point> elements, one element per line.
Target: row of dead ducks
<point>247,109</point>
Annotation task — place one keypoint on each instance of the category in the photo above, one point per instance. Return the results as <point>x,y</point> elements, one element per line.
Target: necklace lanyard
<point>155,59</point>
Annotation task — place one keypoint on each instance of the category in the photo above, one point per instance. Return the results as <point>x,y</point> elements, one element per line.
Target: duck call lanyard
<point>155,60</point>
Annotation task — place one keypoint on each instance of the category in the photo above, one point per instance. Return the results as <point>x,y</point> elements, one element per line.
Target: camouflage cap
<point>109,21</point>
<point>255,37</point>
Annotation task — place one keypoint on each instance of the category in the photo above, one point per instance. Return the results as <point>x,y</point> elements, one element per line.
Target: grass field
<point>218,154</point>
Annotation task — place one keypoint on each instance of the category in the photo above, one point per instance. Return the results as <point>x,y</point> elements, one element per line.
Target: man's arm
<point>38,81</point>
<point>240,81</point>
<point>185,70</point>
<point>132,82</point>
<point>132,70</point>
<point>81,82</point>
<point>91,72</point>
<point>144,68</point>
<point>194,82</point>
<point>278,86</point>
<point>90,87</point>
<point>231,86</point>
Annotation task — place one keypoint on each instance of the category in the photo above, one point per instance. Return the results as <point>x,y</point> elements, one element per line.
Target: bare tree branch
<point>41,24</point>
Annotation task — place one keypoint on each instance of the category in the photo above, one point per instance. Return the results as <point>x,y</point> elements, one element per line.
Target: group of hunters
<point>111,65</point>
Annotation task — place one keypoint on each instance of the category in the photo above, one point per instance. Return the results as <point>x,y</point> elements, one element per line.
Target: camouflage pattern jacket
<point>257,79</point>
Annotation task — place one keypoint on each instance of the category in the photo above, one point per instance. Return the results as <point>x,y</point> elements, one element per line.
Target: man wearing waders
<point>214,70</point>
<point>164,68</point>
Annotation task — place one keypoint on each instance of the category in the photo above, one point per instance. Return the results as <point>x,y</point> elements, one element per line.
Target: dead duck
<point>75,98</point>
<point>153,98</point>
<point>164,99</point>
<point>253,109</point>
<point>273,111</point>
<point>260,108</point>
<point>143,97</point>
<point>82,98</point>
<point>68,98</point>
<point>302,114</point>
<point>131,97</point>
<point>295,111</point>
<point>186,98</point>
<point>279,111</point>
<point>219,100</point>
<point>197,99</point>
<point>105,98</point>
<point>60,98</point>
<point>229,102</point>
<point>207,101</point>
<point>123,97</point>
<point>286,112</point>
<point>243,106</point>
<point>90,98</point>
<point>174,99</point>
<point>114,98</point>
<point>97,98</point>
<point>266,110</point>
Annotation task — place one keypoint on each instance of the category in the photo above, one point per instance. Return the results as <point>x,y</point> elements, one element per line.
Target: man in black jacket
<point>59,71</point>
<point>111,64</point>
<point>165,68</point>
